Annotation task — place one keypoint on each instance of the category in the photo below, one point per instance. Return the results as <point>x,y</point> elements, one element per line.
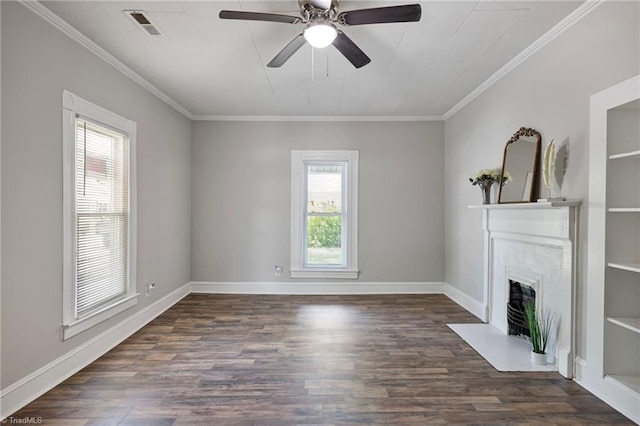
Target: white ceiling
<point>215,67</point>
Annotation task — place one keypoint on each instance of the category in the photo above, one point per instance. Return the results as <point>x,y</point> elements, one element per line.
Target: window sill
<point>325,273</point>
<point>78,326</point>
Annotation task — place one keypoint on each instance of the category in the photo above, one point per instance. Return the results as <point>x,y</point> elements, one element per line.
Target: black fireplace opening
<point>519,294</point>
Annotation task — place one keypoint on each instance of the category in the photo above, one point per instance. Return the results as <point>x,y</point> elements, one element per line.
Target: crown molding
<point>315,118</point>
<point>583,10</point>
<point>83,40</point>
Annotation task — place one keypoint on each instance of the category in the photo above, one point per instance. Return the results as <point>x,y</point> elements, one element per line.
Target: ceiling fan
<point>321,17</point>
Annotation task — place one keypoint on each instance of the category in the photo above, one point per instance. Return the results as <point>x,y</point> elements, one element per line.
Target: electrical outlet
<point>278,270</point>
<point>149,288</point>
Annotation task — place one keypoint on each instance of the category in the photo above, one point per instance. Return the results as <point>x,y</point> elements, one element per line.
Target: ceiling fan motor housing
<point>311,13</point>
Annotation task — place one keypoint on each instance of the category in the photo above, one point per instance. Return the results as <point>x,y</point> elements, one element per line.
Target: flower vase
<point>486,193</point>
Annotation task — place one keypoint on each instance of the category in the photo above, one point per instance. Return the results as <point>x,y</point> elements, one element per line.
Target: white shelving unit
<point>631,382</point>
<point>632,267</point>
<point>611,364</point>
<point>622,278</point>
<point>632,324</point>
<point>624,210</point>
<point>631,154</point>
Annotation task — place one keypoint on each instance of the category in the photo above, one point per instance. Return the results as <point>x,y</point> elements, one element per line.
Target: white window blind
<point>102,194</point>
<point>99,200</point>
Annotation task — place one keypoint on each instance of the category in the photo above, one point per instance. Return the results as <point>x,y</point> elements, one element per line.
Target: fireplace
<point>530,256</point>
<point>519,295</point>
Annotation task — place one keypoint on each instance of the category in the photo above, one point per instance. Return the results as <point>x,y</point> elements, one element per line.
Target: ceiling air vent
<point>142,20</point>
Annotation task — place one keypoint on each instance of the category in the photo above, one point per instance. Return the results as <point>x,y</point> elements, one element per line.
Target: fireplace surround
<point>533,244</point>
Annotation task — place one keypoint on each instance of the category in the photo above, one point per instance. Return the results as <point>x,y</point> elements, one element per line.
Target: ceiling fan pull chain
<point>327,64</point>
<point>313,63</point>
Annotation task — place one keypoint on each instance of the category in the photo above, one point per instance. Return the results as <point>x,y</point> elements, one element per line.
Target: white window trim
<point>297,268</point>
<point>73,105</point>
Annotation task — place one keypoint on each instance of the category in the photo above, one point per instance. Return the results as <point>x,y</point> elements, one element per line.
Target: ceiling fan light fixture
<point>321,17</point>
<point>320,35</point>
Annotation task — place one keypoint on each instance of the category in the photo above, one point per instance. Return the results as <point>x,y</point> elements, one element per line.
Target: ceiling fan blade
<point>350,50</point>
<point>381,15</point>
<point>258,16</point>
<point>288,51</point>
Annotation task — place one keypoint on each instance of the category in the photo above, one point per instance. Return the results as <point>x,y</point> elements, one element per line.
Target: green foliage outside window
<point>324,231</point>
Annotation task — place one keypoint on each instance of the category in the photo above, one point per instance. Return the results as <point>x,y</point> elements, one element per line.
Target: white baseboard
<point>465,301</point>
<point>327,288</point>
<point>565,362</point>
<point>27,389</point>
<point>613,393</point>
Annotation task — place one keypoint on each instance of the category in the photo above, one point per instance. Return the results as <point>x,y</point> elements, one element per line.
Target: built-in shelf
<point>534,205</point>
<point>624,210</point>
<point>632,324</point>
<point>632,382</point>
<point>633,267</point>
<point>631,154</point>
<point>612,316</point>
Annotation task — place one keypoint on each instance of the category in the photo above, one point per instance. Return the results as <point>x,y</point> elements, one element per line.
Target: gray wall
<point>550,93</point>
<point>242,185</point>
<point>38,62</point>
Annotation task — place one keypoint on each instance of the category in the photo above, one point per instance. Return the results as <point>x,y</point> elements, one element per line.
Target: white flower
<point>487,177</point>
<point>506,178</point>
<point>484,176</point>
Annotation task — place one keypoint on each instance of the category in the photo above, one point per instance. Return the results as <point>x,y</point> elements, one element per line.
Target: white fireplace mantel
<point>536,241</point>
<point>520,206</point>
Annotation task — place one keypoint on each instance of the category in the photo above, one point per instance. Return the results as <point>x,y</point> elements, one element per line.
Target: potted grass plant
<point>540,327</point>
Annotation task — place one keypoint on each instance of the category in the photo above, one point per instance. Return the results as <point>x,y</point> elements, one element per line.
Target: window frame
<point>74,106</point>
<point>299,161</point>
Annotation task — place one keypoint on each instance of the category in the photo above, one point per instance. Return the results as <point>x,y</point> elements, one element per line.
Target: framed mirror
<point>520,161</point>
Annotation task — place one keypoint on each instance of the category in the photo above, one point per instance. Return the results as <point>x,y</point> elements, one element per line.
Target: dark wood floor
<point>281,360</point>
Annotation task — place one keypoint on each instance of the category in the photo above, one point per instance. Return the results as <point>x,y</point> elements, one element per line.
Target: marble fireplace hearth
<point>504,352</point>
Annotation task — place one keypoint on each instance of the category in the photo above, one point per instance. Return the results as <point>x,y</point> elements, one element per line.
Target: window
<point>324,214</point>
<point>99,214</point>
